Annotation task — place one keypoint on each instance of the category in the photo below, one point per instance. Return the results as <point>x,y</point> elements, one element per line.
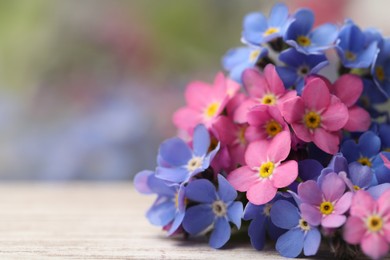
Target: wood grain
<point>94,221</point>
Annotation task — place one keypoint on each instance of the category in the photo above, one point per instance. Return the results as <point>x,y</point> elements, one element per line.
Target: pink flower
<point>233,136</point>
<point>325,204</point>
<point>264,88</point>
<point>348,88</point>
<point>369,224</point>
<point>317,116</point>
<point>264,171</point>
<point>205,102</point>
<point>386,161</point>
<point>265,122</point>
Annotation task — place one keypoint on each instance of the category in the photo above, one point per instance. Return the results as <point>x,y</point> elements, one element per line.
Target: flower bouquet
<point>280,151</point>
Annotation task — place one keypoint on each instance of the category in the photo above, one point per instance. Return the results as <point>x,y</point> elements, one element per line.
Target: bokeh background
<point>87,88</point>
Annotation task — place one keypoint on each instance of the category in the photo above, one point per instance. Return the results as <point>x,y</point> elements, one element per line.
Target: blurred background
<point>88,88</point>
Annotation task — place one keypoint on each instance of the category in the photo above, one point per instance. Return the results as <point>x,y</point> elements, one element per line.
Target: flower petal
<point>335,117</point>
<point>316,94</point>
<point>175,152</point>
<point>234,213</point>
<point>333,187</point>
<point>226,192</point>
<point>202,191</point>
<point>256,232</point>
<point>161,213</point>
<point>348,88</point>
<point>176,175</point>
<point>362,204</point>
<point>326,141</point>
<point>201,141</point>
<point>354,230</point>
<point>310,193</point>
<point>343,204</point>
<point>311,214</point>
<point>220,234</point>
<point>242,178</point>
<point>141,182</point>
<point>333,221</point>
<point>359,120</point>
<point>275,84</point>
<point>261,192</point>
<point>176,223</point>
<point>284,214</point>
<point>198,218</point>
<point>312,242</point>
<point>293,110</point>
<point>290,244</point>
<point>280,147</point>
<point>285,174</point>
<point>257,153</point>
<point>374,245</point>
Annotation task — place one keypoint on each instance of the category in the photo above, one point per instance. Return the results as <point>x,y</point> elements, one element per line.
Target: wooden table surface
<point>93,221</point>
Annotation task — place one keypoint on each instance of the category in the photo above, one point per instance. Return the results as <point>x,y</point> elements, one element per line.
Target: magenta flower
<point>205,102</point>
<point>264,88</point>
<point>233,136</point>
<point>317,116</point>
<point>325,204</point>
<point>369,224</point>
<point>348,88</point>
<point>264,171</point>
<point>265,122</point>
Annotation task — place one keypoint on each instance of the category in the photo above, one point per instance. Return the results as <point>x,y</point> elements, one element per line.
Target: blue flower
<point>237,60</point>
<point>384,135</point>
<point>364,151</point>
<point>300,235</point>
<point>358,177</point>
<point>169,207</point>
<point>300,36</point>
<point>178,163</point>
<point>216,208</point>
<point>258,30</point>
<point>372,95</point>
<point>355,49</point>
<point>299,66</point>
<point>261,223</point>
<point>381,68</point>
<point>382,173</point>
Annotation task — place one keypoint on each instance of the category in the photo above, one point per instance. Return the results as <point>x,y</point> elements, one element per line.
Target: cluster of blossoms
<point>279,151</point>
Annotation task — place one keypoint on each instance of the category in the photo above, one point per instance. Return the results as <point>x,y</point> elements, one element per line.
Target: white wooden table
<point>94,221</point>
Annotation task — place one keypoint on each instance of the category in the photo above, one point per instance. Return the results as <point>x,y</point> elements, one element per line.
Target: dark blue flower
<point>237,60</point>
<point>372,95</point>
<point>257,29</point>
<point>169,207</point>
<point>261,223</point>
<point>355,49</point>
<point>300,235</point>
<point>381,68</point>
<point>384,135</point>
<point>300,35</point>
<point>364,151</point>
<point>382,173</point>
<point>179,163</point>
<point>216,208</point>
<point>298,66</point>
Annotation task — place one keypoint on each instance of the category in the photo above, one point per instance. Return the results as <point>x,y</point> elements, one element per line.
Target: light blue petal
<point>256,232</point>
<point>198,218</point>
<point>312,242</point>
<point>235,212</point>
<point>141,182</point>
<point>235,57</point>
<point>366,57</point>
<point>255,22</point>
<point>290,244</point>
<point>161,187</point>
<point>360,175</point>
<point>304,19</point>
<point>201,141</point>
<point>226,191</point>
<point>202,191</point>
<point>284,214</point>
<point>378,190</point>
<point>176,175</point>
<point>220,234</point>
<point>252,211</point>
<point>176,222</point>
<point>278,15</point>
<point>175,152</point>
<point>369,144</point>
<point>324,35</point>
<point>161,213</point>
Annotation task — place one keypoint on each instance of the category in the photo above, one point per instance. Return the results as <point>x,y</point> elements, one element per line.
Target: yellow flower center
<point>268,99</point>
<point>241,135</point>
<point>326,208</point>
<point>374,223</point>
<point>356,188</point>
<point>312,120</point>
<point>266,169</point>
<point>380,73</point>
<point>303,41</point>
<point>304,225</point>
<point>273,128</point>
<point>212,110</point>
<point>194,163</point>
<point>365,161</point>
<point>177,200</point>
<point>254,55</point>
<point>386,149</point>
<point>219,208</point>
<point>267,209</point>
<point>350,55</point>
<point>270,31</point>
